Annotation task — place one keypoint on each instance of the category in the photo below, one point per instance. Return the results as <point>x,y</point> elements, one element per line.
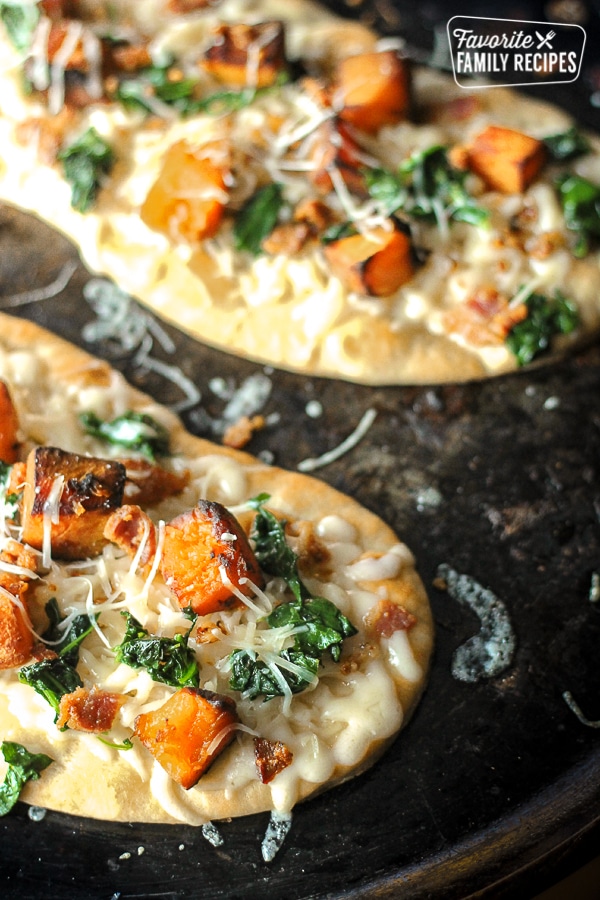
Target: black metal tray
<point>492,790</point>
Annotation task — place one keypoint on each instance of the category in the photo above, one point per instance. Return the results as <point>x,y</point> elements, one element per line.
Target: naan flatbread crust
<point>52,382</point>
<point>290,311</point>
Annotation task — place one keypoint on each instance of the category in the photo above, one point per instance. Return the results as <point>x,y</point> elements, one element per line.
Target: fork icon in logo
<point>545,41</point>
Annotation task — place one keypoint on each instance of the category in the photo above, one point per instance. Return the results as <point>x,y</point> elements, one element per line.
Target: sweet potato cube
<point>70,497</point>
<point>246,55</point>
<point>9,427</point>
<point>188,732</point>
<point>508,161</point>
<point>205,554</point>
<point>16,638</point>
<point>377,263</point>
<point>371,90</point>
<point>187,201</point>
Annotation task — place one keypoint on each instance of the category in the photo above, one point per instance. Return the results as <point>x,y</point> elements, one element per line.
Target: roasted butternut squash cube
<point>188,732</point>
<point>508,161</point>
<point>205,554</point>
<point>9,427</point>
<point>16,638</point>
<point>68,499</point>
<point>371,90</point>
<point>246,55</point>
<point>377,263</point>
<point>187,201</point>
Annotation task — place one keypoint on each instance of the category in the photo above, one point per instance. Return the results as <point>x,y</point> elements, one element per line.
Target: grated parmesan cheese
<point>354,438</point>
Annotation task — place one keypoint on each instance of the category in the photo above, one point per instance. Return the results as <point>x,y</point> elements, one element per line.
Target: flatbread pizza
<point>186,633</point>
<point>283,185</point>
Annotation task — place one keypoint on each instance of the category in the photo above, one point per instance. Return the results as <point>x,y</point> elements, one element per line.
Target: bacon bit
<point>41,651</point>
<point>271,758</point>
<point>526,217</point>
<point>287,239</point>
<point>147,484</point>
<point>240,433</point>
<point>9,427</point>
<point>485,318</point>
<point>77,97</point>
<point>315,213</point>
<point>93,711</point>
<point>128,527</point>
<point>130,57</point>
<point>331,146</point>
<point>18,554</point>
<point>356,660</point>
<point>544,245</point>
<point>16,637</point>
<point>386,617</point>
<point>46,134</point>
<point>312,553</point>
<point>486,302</point>
<point>181,7</point>
<point>205,634</point>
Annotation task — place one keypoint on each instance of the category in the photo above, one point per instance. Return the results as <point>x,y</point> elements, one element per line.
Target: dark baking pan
<point>492,790</point>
